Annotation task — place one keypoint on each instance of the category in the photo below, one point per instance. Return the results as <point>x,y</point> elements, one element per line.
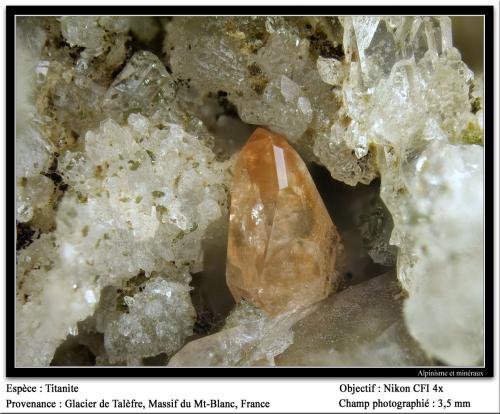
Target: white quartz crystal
<point>83,31</point>
<point>144,80</point>
<point>362,325</point>
<point>97,34</point>
<point>249,337</point>
<point>33,151</point>
<point>51,299</point>
<point>446,276</point>
<point>394,347</point>
<point>331,71</point>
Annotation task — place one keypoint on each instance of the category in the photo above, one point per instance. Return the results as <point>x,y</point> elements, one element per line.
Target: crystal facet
<point>284,252</point>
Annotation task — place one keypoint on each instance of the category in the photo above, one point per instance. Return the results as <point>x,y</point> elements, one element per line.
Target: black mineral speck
<point>227,106</point>
<point>25,235</point>
<point>320,43</point>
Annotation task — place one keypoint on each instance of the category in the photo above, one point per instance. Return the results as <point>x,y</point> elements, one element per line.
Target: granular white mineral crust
<point>159,318</point>
<point>129,210</point>
<point>125,129</point>
<point>141,194</point>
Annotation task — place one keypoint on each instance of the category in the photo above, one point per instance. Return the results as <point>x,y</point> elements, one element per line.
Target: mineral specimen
<point>410,95</point>
<point>284,252</point>
<point>126,131</point>
<point>362,325</point>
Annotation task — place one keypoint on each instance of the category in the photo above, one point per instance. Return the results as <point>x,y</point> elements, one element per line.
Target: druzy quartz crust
<point>248,190</point>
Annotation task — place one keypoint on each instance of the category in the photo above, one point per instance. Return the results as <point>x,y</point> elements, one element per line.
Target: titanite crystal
<point>284,252</point>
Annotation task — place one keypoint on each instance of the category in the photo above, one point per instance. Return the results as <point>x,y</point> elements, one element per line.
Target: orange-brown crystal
<point>284,252</point>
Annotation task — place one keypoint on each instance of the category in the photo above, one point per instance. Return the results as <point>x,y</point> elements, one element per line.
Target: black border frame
<point>299,372</point>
